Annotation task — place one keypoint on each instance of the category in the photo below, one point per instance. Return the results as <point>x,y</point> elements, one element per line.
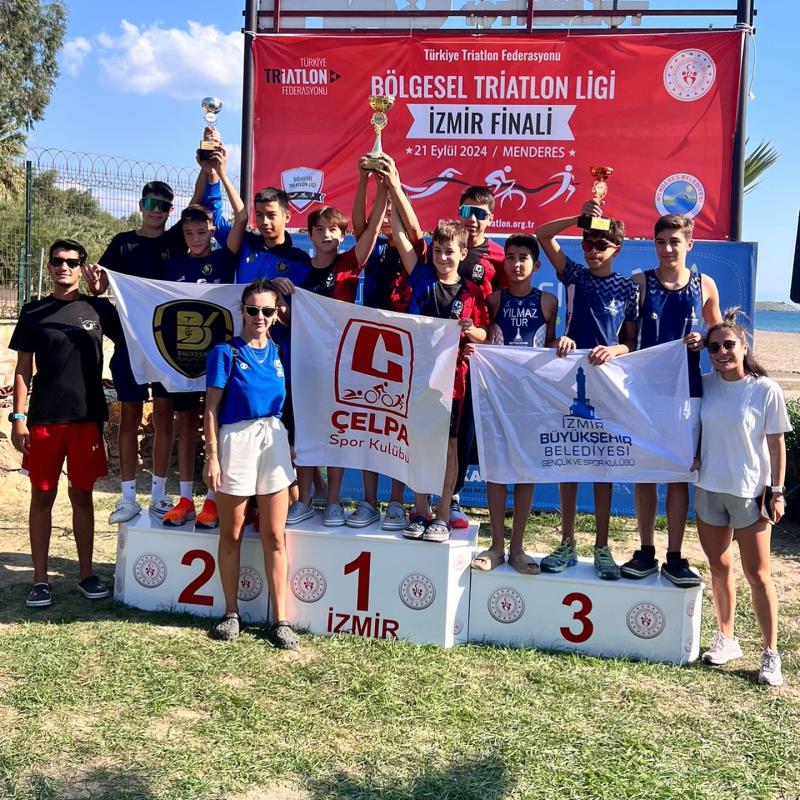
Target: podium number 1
<point>361,565</point>
<point>581,615</point>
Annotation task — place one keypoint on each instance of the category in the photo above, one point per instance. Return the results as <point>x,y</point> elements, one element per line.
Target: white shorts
<point>254,457</point>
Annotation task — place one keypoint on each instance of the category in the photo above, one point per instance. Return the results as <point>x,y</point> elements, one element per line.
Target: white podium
<point>648,619</point>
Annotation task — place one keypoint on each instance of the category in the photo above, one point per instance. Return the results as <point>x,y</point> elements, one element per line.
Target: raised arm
<point>365,243</point>
<point>234,238</point>
<point>400,200</point>
<point>401,242</point>
<point>359,215</point>
<point>546,234</point>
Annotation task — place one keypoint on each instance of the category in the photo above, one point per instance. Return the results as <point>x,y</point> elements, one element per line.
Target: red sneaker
<point>182,513</point>
<point>208,517</point>
<point>458,519</point>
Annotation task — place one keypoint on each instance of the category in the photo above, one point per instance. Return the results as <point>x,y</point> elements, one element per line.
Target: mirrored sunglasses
<point>154,204</point>
<point>465,212</point>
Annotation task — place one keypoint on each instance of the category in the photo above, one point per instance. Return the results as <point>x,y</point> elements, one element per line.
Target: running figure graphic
<point>567,177</point>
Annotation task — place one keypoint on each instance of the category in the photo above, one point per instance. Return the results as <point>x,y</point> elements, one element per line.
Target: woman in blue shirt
<point>247,454</point>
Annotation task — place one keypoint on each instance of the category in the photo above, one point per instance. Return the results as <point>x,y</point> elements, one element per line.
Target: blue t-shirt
<point>597,307</point>
<point>254,384</point>
<point>217,267</point>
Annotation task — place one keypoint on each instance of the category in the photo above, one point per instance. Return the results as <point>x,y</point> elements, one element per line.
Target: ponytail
<point>730,322</point>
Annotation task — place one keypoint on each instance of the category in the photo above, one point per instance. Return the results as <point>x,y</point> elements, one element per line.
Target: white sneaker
<point>395,518</point>
<point>770,671</point>
<point>124,511</point>
<point>722,650</point>
<point>162,505</point>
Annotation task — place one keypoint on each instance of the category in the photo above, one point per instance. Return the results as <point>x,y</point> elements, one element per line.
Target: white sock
<point>186,489</point>
<point>129,491</point>
<point>158,488</point>
<point>211,495</point>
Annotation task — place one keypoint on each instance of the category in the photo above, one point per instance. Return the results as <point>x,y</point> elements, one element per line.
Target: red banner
<point>526,116</point>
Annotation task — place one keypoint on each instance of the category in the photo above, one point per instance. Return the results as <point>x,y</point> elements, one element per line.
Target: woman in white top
<point>742,452</point>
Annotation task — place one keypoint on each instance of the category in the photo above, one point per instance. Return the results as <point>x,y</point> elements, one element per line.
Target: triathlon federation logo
<point>185,330</point>
<point>645,620</point>
<point>417,591</point>
<point>680,193</point>
<point>303,185</point>
<point>374,367</point>
<point>506,605</point>
<point>689,75</point>
<point>308,585</point>
<point>250,584</point>
<point>150,571</point>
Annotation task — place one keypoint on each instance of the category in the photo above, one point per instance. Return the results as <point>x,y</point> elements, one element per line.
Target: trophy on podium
<point>599,192</point>
<point>380,104</point>
<point>208,146</point>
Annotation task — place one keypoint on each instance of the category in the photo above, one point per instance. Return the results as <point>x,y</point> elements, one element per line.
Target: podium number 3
<point>580,615</point>
<point>361,565</point>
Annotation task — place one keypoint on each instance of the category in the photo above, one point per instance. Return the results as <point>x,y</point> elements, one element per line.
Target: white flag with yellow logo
<point>170,327</point>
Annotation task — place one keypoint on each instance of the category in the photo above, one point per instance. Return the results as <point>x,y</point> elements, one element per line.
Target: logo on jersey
<point>185,330</point>
<point>303,185</point>
<point>282,267</point>
<point>206,269</point>
<point>456,308</point>
<point>374,367</point>
<point>689,75</point>
<point>680,193</point>
<point>614,307</point>
<point>90,324</point>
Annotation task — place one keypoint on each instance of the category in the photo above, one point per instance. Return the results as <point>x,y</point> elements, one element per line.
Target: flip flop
<point>524,564</point>
<point>487,560</point>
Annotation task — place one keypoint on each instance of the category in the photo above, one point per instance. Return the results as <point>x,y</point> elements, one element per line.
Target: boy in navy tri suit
<point>200,264</point>
<point>385,287</point>
<point>522,316</point>
<point>675,302</point>
<point>602,316</point>
<point>439,291</point>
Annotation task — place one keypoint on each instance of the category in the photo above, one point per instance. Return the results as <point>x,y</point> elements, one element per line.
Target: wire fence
<point>49,194</point>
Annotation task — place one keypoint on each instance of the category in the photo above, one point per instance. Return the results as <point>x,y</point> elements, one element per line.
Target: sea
<point>785,321</point>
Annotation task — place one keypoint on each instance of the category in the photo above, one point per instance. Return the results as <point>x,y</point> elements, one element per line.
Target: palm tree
<point>757,162</point>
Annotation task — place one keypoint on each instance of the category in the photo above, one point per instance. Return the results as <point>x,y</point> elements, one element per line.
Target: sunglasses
<point>253,311</point>
<point>154,204</point>
<point>72,263</point>
<point>601,245</point>
<point>715,347</point>
<point>465,212</point>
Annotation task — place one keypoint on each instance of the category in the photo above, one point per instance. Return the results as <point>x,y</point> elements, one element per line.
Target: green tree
<point>757,162</point>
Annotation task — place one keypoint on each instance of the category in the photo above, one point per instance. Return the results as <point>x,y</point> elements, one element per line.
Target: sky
<point>132,75</point>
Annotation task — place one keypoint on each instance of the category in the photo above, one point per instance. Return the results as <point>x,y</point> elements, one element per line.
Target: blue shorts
<point>128,391</point>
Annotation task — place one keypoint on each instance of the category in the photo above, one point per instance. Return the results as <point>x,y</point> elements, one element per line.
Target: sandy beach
<point>779,353</point>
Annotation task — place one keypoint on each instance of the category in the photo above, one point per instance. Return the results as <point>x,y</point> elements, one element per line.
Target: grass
<point>102,701</point>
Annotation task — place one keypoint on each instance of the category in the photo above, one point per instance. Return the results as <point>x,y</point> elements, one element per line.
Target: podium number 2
<point>189,594</point>
<point>361,565</point>
<point>580,615</point>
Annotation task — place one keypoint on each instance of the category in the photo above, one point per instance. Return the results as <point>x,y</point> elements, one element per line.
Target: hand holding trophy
<point>599,192</point>
<point>380,104</point>
<point>210,144</point>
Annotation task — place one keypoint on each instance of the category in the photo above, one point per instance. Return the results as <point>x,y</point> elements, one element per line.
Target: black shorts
<point>455,417</point>
<point>187,401</point>
<point>287,415</point>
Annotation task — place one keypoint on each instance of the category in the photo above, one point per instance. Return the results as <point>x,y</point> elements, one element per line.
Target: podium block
<point>175,569</point>
<point>378,585</point>
<point>648,619</point>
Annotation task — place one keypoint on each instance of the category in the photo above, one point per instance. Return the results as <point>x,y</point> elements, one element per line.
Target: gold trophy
<point>380,104</point>
<point>599,192</point>
<point>208,146</point>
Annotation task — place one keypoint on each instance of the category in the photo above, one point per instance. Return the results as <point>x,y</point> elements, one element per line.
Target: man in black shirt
<point>63,335</point>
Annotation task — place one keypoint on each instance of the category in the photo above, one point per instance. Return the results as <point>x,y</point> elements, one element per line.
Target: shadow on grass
<point>485,779</point>
<point>99,783</point>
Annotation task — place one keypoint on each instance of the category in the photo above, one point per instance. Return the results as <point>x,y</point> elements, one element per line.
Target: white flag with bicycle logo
<point>372,389</point>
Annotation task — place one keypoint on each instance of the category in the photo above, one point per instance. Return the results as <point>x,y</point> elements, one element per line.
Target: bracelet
<point>209,456</point>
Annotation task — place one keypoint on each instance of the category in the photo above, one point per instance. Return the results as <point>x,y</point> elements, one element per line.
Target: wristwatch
<point>14,416</point>
<point>777,489</point>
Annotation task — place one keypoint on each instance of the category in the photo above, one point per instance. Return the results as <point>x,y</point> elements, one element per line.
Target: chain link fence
<point>48,194</point>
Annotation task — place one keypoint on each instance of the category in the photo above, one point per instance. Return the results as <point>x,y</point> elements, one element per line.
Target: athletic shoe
<point>124,511</point>
<point>208,516</point>
<point>298,511</point>
<point>227,628</point>
<point>640,566</point>
<point>40,596</point>
<point>722,650</point>
<point>161,506</point>
<point>364,515</point>
<point>562,557</point>
<point>395,518</point>
<point>604,564</point>
<point>92,589</point>
<point>333,516</point>
<point>181,514</point>
<point>282,636</point>
<point>770,671</point>
<point>416,527</point>
<point>457,518</point>
<point>437,531</point>
<point>680,573</point>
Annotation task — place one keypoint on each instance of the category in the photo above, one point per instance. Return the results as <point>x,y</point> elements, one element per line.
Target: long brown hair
<point>730,322</point>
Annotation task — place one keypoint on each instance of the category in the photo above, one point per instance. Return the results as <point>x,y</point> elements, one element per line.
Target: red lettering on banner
<point>380,424</point>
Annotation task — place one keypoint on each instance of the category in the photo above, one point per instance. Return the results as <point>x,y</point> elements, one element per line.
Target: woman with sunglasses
<point>247,454</point>
<point>739,492</point>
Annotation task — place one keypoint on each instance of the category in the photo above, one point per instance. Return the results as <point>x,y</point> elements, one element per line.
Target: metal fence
<point>49,194</point>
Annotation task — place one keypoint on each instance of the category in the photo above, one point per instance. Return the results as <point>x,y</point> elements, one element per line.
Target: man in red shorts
<point>62,334</point>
